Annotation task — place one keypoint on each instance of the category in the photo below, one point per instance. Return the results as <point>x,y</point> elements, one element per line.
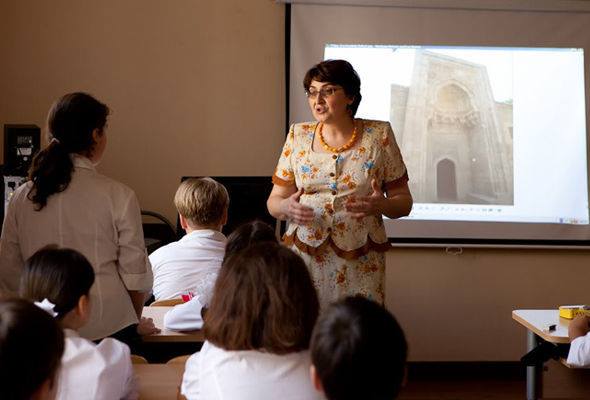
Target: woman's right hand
<point>295,211</point>
<point>146,327</point>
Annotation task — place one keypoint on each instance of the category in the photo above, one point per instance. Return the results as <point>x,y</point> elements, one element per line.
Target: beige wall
<point>196,88</point>
<point>458,307</point>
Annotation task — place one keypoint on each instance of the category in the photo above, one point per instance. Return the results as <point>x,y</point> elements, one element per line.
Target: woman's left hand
<point>363,206</point>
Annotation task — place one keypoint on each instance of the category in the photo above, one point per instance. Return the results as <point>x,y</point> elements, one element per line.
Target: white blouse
<point>185,317</point>
<point>188,265</point>
<point>98,372</point>
<point>101,219</point>
<point>217,374</point>
<point>579,354</point>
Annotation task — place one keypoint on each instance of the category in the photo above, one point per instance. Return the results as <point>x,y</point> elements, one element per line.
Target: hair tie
<point>47,306</point>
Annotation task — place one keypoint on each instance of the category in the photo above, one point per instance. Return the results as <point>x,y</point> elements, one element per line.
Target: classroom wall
<point>456,304</point>
<point>197,88</point>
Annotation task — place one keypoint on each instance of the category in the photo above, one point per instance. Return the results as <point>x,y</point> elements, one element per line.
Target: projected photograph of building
<point>455,137</point>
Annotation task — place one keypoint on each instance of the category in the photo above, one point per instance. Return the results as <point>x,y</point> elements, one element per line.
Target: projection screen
<point>488,102</point>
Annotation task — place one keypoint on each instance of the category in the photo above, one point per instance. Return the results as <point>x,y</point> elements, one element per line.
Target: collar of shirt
<point>70,333</point>
<point>80,161</point>
<point>205,233</point>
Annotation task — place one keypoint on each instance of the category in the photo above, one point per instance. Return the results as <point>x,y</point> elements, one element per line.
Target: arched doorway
<point>446,181</point>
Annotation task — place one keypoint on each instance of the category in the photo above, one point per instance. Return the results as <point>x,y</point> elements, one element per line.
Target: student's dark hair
<point>31,347</point>
<point>337,72</point>
<point>263,299</point>
<point>61,276</point>
<point>359,351</point>
<point>247,234</point>
<point>70,122</point>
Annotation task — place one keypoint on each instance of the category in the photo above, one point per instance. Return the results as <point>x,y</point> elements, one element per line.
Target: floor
<point>465,381</point>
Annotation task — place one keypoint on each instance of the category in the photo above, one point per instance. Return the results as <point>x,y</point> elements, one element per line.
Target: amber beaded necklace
<point>340,149</point>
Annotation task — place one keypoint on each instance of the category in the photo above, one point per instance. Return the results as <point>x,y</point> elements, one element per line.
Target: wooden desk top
<point>157,314</point>
<point>158,381</point>
<point>539,320</point>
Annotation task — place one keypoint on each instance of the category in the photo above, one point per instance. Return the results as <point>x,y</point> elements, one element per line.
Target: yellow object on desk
<point>570,312</point>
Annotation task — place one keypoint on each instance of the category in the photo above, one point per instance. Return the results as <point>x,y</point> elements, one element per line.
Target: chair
<point>159,233</point>
<point>135,359</point>
<point>179,359</point>
<point>166,303</point>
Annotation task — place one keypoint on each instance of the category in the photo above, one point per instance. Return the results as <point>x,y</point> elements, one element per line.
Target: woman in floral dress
<point>335,179</point>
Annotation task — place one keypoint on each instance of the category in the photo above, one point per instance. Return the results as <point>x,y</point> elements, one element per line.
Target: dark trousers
<point>130,337</point>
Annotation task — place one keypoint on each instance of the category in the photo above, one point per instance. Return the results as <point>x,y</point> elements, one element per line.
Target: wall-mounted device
<point>10,185</point>
<point>21,143</point>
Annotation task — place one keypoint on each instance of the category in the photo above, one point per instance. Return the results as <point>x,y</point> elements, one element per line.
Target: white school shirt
<point>98,217</point>
<point>98,372</point>
<point>579,354</point>
<point>190,264</point>
<point>185,317</point>
<point>217,374</point>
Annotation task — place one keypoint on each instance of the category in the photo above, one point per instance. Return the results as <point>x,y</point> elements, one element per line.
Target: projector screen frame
<point>582,241</point>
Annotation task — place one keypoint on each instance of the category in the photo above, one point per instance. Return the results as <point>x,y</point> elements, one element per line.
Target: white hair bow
<point>47,306</point>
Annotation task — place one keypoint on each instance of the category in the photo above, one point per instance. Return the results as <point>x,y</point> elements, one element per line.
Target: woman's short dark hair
<point>337,72</point>
<point>359,351</point>
<point>263,299</point>
<point>31,347</point>
<point>70,122</point>
<point>248,234</point>
<point>61,276</point>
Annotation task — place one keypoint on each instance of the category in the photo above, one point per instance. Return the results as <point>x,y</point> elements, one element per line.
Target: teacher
<point>335,179</point>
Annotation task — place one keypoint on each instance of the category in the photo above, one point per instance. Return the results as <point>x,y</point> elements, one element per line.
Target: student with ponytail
<point>58,281</point>
<point>67,202</point>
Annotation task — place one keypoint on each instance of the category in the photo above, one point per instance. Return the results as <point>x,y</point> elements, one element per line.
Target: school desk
<point>166,335</point>
<point>158,381</point>
<point>555,379</point>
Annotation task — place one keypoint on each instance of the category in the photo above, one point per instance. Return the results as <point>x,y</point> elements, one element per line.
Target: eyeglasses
<point>324,92</point>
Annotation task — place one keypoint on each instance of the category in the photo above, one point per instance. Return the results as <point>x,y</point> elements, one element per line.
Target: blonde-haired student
<point>192,263</point>
<point>59,281</point>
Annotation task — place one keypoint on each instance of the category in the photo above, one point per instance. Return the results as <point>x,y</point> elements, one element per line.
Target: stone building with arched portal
<point>455,138</point>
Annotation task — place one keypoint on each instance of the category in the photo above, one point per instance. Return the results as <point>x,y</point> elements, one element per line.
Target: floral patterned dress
<point>345,255</point>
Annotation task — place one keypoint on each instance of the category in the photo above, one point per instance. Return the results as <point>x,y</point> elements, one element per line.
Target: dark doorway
<point>446,181</point>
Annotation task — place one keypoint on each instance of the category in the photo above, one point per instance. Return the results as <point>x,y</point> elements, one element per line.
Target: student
<point>192,263</point>
<point>67,202</point>
<point>257,330</point>
<point>60,280</point>
<point>358,351</point>
<point>31,345</point>
<point>188,316</point>
<point>579,353</point>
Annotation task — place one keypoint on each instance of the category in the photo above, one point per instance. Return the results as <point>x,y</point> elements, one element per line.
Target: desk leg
<point>533,374</point>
